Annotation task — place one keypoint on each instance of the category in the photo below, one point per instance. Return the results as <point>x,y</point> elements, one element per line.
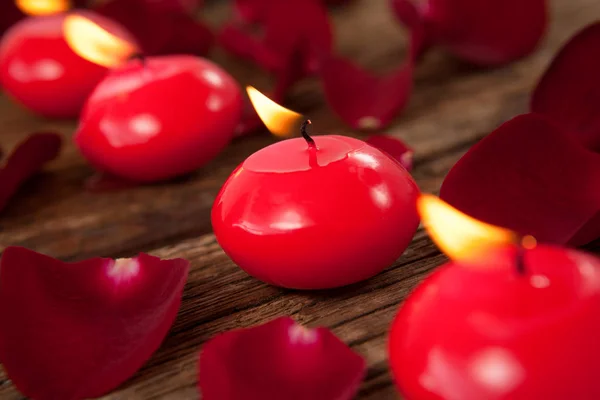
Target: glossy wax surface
<point>159,118</point>
<point>486,332</point>
<point>40,71</point>
<point>316,218</point>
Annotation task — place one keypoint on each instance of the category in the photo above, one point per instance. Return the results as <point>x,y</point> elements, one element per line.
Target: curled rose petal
<point>394,147</point>
<point>26,160</point>
<point>362,99</point>
<point>485,32</point>
<point>530,177</point>
<point>279,360</point>
<point>569,91</point>
<point>77,330</point>
<point>287,26</point>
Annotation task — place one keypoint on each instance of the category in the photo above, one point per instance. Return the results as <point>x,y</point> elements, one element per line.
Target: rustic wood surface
<point>453,106</point>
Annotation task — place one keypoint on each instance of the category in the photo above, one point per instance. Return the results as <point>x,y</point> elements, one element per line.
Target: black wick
<point>305,135</point>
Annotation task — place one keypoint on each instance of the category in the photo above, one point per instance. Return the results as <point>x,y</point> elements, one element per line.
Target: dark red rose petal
<point>364,100</point>
<point>361,99</point>
<point>27,159</point>
<point>150,26</point>
<point>486,32</point>
<point>279,360</point>
<point>531,177</point>
<point>569,91</point>
<point>188,37</point>
<point>252,11</point>
<point>9,15</point>
<point>410,17</point>
<point>77,330</point>
<point>394,147</point>
<point>176,6</point>
<point>287,26</point>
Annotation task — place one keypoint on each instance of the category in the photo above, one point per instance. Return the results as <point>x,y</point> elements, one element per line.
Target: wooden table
<point>453,106</point>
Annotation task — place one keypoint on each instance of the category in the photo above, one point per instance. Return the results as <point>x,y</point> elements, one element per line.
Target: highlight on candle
<point>43,7</point>
<point>279,120</point>
<point>459,236</point>
<point>93,43</point>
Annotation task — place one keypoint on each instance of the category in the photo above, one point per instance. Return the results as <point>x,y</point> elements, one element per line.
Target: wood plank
<point>452,105</point>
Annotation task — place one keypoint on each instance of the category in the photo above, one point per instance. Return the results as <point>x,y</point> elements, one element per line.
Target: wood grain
<point>453,106</point>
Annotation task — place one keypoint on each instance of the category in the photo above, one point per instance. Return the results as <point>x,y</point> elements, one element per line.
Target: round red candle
<point>40,71</point>
<point>160,117</point>
<point>515,324</point>
<point>313,215</point>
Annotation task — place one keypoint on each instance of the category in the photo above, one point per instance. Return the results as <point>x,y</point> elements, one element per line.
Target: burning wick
<point>305,135</point>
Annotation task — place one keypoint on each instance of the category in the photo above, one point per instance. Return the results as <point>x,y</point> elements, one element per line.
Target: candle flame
<point>279,120</point>
<point>93,43</point>
<point>459,236</point>
<point>43,7</point>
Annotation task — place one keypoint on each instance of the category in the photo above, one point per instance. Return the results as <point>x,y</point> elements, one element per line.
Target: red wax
<point>40,71</point>
<point>159,118</point>
<point>487,332</point>
<point>306,218</point>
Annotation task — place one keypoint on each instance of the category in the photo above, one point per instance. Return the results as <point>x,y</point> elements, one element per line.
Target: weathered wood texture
<point>453,106</point>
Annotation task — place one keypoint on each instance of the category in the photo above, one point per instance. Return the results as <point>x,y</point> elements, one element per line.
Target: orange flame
<point>279,120</point>
<point>95,44</point>
<point>459,236</point>
<point>43,7</point>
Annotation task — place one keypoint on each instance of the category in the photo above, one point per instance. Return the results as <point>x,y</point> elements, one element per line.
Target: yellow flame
<point>95,44</point>
<point>459,236</point>
<point>43,7</point>
<point>279,120</point>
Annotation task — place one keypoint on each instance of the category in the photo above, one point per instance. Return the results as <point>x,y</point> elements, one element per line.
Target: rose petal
<point>530,177</point>
<point>26,160</point>
<point>394,147</point>
<point>77,330</point>
<point>176,6</point>
<point>569,91</point>
<point>288,26</point>
<point>10,15</point>
<point>364,100</point>
<point>151,27</point>
<point>486,32</point>
<point>188,37</point>
<point>361,99</point>
<point>279,360</point>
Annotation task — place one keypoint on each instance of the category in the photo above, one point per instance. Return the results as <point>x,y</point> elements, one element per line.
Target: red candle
<point>40,71</point>
<point>155,118</point>
<point>514,321</point>
<point>316,213</point>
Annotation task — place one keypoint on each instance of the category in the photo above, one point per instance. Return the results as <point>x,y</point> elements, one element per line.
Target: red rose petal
<point>26,160</point>
<point>288,26</point>
<point>530,177</point>
<point>394,147</point>
<point>486,32</point>
<point>569,91</point>
<point>176,6</point>
<point>361,99</point>
<point>364,100</point>
<point>279,360</point>
<point>77,330</point>
<point>151,27</point>
<point>188,37</point>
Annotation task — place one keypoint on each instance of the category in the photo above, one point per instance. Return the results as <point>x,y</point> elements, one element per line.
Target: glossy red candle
<point>306,217</point>
<point>159,118</point>
<point>40,71</point>
<point>486,331</point>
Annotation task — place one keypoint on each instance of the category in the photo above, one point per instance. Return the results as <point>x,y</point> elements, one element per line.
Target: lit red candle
<point>313,213</point>
<point>38,68</point>
<point>506,319</point>
<point>152,118</point>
